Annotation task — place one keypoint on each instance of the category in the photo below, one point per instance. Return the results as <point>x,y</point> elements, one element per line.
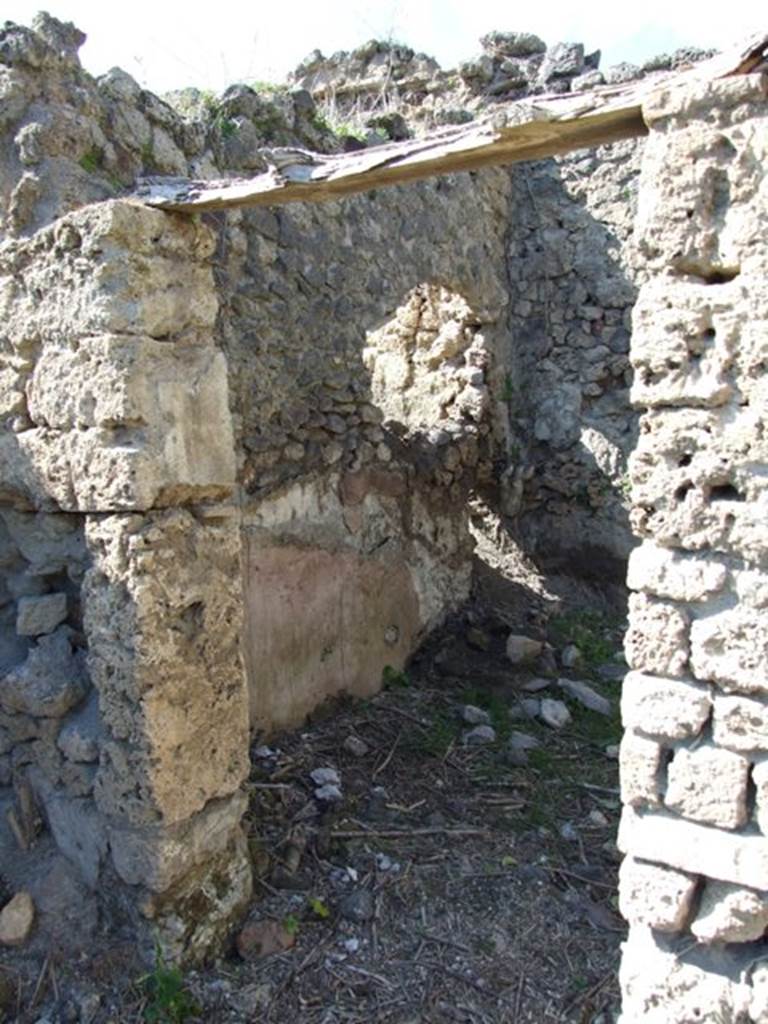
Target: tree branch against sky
<point>172,44</point>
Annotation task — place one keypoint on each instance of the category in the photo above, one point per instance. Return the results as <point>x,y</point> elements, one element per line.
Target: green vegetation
<point>394,677</point>
<point>437,740</point>
<point>291,924</point>
<point>93,160</point>
<point>168,1001</point>
<point>588,630</point>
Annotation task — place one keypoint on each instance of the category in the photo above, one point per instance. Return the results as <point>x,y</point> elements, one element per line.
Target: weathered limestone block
<point>655,896</point>
<point>115,267</point>
<point>672,708</point>
<point>695,482</point>
<point>40,615</point>
<point>141,423</point>
<point>699,849</point>
<point>640,761</point>
<point>673,575</point>
<point>731,648</point>
<point>684,340</point>
<point>730,913</point>
<point>706,222</point>
<point>196,913</point>
<point>50,682</point>
<point>158,857</point>
<point>661,984</point>
<point>657,638</point>
<point>708,785</point>
<point>740,723</point>
<point>163,616</point>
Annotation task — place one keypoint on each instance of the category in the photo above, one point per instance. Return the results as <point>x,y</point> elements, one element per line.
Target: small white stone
<point>585,695</point>
<point>325,777</point>
<point>522,648</point>
<point>354,745</point>
<point>329,794</point>
<point>570,656</point>
<point>554,713</point>
<point>479,735</point>
<point>475,716</point>
<point>16,920</point>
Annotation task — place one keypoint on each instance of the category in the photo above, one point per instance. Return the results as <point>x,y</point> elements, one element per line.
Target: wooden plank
<point>528,130</point>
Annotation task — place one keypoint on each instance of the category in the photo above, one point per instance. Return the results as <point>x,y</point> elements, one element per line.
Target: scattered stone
<point>325,777</point>
<point>263,753</point>
<point>50,682</point>
<point>357,906</point>
<point>597,818</point>
<point>612,751</point>
<point>522,741</point>
<point>354,745</point>
<point>37,616</point>
<point>612,673</point>
<point>263,938</point>
<point>527,707</point>
<point>16,920</point>
<point>585,695</point>
<point>569,833</point>
<point>570,656</point>
<point>79,737</point>
<point>522,649</point>
<point>554,713</point>
<point>475,716</point>
<point>479,735</point>
<point>535,685</point>
<point>329,794</point>
<point>351,945</point>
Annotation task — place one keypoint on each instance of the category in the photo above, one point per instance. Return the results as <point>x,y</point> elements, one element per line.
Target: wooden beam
<point>527,130</point>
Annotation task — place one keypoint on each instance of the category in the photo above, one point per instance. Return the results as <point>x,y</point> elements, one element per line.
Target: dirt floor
<point>430,874</point>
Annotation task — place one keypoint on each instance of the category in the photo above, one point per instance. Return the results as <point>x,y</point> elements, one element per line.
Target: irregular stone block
<point>673,575</point>
<point>163,616</point>
<point>655,896</point>
<point>683,342</point>
<point>40,615</point>
<point>700,849</point>
<point>730,913</point>
<point>673,708</point>
<point>640,762</point>
<point>158,857</point>
<point>50,682</point>
<point>708,785</point>
<point>78,828</point>
<point>657,638</point>
<point>740,723</point>
<point>80,735</point>
<point>142,423</point>
<point>731,648</point>
<point>661,986</point>
<point>195,914</point>
<point>129,270</point>
<point>693,481</point>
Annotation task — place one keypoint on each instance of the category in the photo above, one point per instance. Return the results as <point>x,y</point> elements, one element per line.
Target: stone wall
<point>693,885</point>
<point>121,601</point>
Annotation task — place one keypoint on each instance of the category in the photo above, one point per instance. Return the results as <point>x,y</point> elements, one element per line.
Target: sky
<point>168,44</point>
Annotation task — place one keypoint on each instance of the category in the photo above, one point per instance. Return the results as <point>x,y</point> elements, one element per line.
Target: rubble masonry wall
<point>695,705</point>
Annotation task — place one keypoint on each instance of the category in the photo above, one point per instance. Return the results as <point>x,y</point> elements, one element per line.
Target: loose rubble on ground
<point>442,852</point>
